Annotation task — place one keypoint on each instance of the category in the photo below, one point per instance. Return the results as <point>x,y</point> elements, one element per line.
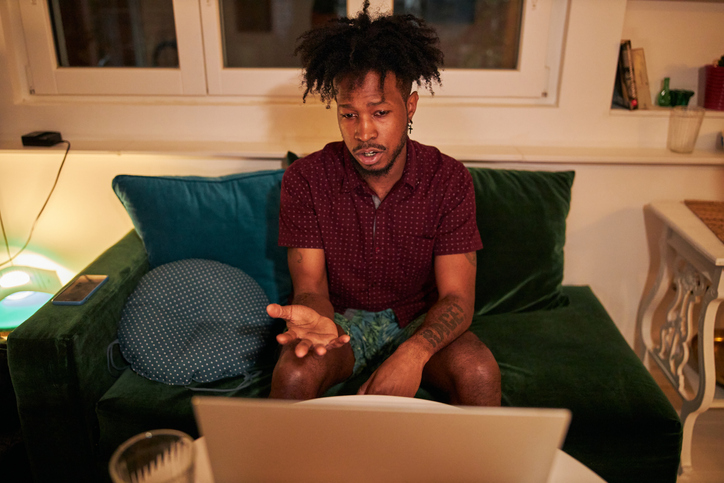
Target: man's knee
<point>294,380</point>
<point>472,373</point>
<point>483,370</point>
<point>306,377</point>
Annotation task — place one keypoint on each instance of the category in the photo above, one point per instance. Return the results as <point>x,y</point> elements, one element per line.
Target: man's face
<point>373,123</point>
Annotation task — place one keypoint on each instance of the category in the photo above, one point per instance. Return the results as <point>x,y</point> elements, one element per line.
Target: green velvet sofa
<point>556,345</point>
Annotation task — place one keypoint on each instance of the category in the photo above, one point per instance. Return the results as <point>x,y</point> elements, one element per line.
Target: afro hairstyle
<point>351,47</point>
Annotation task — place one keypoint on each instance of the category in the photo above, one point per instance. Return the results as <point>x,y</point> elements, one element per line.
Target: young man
<point>381,230</point>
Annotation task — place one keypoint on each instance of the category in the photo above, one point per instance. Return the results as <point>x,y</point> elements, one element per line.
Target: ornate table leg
<point>654,298</point>
<point>696,281</point>
<point>691,409</point>
<point>676,332</point>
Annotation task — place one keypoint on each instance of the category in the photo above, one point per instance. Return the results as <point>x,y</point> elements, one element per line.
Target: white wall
<point>607,245</point>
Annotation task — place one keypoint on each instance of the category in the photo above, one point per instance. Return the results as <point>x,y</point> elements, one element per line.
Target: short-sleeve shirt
<point>380,257</point>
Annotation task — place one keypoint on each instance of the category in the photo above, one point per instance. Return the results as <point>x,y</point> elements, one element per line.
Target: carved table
<point>690,268</point>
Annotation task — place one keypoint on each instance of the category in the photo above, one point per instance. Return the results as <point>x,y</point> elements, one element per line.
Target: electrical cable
<point>32,228</point>
<point>7,245</point>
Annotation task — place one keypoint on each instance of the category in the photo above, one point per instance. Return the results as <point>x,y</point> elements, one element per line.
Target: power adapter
<point>42,138</point>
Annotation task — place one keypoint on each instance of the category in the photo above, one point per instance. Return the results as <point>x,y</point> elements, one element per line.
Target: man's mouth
<point>369,155</point>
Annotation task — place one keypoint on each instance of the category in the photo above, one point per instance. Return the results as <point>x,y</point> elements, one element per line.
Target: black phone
<point>80,290</point>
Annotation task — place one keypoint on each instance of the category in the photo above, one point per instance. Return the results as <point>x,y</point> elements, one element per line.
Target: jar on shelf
<point>714,87</point>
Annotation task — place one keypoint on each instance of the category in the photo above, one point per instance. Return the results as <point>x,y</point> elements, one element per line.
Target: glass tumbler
<point>684,124</point>
<point>160,455</point>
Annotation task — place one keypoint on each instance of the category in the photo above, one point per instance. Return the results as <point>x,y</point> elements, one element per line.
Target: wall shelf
<point>660,112</point>
<point>470,154</point>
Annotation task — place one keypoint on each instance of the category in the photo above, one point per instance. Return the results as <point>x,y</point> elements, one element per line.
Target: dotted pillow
<point>194,319</point>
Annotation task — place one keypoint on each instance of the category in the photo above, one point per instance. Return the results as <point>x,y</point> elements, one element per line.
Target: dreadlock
<point>350,47</point>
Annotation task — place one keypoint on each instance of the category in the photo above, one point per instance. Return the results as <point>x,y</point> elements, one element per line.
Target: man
<point>380,229</point>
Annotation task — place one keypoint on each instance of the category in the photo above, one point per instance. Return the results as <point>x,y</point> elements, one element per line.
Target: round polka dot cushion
<point>194,319</point>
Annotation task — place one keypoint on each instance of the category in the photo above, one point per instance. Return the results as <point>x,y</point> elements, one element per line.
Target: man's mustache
<point>364,146</point>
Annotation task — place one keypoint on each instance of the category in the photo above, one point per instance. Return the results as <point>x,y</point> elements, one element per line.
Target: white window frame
<point>540,54</point>
<point>46,77</point>
<point>202,73</point>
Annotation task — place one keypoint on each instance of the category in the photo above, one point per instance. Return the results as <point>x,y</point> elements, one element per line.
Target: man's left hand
<point>399,375</point>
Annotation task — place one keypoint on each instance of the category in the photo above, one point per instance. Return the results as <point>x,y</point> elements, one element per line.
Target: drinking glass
<point>160,455</point>
<point>684,124</point>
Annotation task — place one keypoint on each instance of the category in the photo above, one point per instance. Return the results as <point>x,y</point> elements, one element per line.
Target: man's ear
<point>412,104</point>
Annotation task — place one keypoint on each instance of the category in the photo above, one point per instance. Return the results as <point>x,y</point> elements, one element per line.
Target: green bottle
<point>664,97</point>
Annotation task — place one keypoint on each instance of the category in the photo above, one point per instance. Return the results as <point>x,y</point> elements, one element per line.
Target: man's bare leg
<point>467,371</point>
<point>310,376</point>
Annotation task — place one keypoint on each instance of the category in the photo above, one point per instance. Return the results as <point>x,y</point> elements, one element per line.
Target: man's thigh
<point>467,371</point>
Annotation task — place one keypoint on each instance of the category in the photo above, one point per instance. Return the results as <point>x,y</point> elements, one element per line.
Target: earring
<point>409,126</point>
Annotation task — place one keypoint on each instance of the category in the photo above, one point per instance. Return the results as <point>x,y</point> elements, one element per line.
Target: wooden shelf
<point>466,153</point>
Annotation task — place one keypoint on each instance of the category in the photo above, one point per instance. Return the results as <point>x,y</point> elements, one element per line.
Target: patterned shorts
<point>374,336</point>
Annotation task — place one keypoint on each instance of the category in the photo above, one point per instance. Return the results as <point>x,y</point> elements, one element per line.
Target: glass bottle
<point>664,97</point>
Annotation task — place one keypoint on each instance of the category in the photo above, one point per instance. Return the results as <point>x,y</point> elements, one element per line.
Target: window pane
<point>114,33</point>
<point>263,33</point>
<point>474,34</point>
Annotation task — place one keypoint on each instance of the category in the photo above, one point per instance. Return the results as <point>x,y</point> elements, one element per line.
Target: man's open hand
<point>314,332</point>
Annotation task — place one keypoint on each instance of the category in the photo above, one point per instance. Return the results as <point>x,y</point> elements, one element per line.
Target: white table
<point>565,468</point>
<point>690,259</point>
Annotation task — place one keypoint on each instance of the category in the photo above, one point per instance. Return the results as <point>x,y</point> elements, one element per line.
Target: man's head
<point>373,122</point>
<point>369,66</point>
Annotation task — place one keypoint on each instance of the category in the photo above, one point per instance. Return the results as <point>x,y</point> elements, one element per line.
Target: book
<point>641,79</point>
<point>626,76</point>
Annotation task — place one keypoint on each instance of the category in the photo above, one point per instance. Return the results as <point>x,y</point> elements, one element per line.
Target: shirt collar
<point>410,175</point>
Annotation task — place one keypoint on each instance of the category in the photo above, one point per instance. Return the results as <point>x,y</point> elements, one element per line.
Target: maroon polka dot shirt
<point>380,258</point>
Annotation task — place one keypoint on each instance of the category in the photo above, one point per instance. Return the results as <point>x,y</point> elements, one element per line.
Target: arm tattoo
<point>472,257</point>
<point>444,325</point>
<point>299,260</point>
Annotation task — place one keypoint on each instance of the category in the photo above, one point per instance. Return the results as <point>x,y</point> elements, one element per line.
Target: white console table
<point>691,259</point>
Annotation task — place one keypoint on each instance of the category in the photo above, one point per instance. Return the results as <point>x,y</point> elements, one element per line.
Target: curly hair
<point>351,47</point>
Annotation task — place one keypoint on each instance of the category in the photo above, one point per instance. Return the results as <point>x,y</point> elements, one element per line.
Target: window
<point>263,33</point>
<point>86,47</point>
<point>486,53</point>
<point>474,34</point>
<point>508,50</point>
<point>123,33</point>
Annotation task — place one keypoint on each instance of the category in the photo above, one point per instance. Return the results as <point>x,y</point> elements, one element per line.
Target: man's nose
<point>366,129</point>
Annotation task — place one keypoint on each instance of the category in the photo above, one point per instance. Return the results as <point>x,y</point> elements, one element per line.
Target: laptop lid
<point>376,438</point>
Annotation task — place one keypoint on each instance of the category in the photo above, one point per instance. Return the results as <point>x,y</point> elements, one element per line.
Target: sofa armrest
<point>57,361</point>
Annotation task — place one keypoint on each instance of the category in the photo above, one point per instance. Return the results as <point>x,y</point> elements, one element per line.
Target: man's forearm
<point>445,322</point>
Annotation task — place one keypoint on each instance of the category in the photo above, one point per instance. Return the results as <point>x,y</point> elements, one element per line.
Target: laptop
<point>376,438</point>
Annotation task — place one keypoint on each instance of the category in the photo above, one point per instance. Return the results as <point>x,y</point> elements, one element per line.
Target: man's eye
<point>382,113</point>
<point>347,116</point>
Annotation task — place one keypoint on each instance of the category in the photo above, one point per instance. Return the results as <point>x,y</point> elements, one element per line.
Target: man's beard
<point>367,173</point>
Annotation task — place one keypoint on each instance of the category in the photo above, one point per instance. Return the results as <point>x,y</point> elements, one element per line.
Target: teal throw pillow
<point>521,217</point>
<point>195,320</point>
<point>231,219</point>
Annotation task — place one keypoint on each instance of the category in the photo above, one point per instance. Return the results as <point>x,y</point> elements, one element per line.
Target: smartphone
<point>80,290</point>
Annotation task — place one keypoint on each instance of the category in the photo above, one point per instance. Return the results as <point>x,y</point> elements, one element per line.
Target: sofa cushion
<point>223,219</point>
<point>521,217</point>
<point>197,320</point>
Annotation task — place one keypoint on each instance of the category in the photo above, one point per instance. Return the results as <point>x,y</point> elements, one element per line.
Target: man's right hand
<point>313,331</point>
